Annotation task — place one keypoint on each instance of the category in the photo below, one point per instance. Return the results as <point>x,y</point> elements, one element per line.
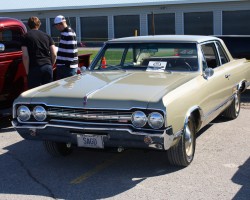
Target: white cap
<point>59,19</point>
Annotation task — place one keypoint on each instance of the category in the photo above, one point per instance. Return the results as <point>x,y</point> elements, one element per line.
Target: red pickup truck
<point>13,79</point>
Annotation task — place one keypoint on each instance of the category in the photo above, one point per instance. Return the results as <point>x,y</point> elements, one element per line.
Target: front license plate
<point>90,141</point>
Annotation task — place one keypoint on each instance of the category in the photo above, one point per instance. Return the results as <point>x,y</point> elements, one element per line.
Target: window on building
<point>161,24</point>
<point>236,22</point>
<point>71,21</point>
<point>94,29</point>
<point>55,34</point>
<point>126,25</point>
<point>43,25</point>
<point>198,23</point>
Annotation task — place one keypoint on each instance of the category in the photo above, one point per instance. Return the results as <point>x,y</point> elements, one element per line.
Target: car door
<point>216,89</point>
<point>13,78</point>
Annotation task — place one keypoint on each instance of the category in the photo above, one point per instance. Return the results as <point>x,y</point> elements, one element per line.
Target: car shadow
<point>242,177</point>
<point>91,174</point>
<point>220,119</point>
<point>7,129</point>
<point>245,96</point>
<point>203,130</point>
<point>5,122</point>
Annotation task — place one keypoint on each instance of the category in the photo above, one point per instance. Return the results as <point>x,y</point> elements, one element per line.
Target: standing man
<point>67,55</point>
<point>39,54</point>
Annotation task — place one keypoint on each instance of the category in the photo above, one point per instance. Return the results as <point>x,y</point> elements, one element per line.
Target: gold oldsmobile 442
<point>151,92</point>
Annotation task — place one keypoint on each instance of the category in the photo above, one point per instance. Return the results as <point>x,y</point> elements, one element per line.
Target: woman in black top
<point>39,54</point>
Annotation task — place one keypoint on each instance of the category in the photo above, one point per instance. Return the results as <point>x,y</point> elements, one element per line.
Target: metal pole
<point>135,32</point>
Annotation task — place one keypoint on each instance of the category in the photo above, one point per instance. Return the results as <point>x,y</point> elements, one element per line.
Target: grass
<point>92,51</point>
<point>113,56</point>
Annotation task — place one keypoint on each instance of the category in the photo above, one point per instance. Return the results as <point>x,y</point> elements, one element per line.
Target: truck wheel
<point>57,149</point>
<point>182,153</point>
<point>232,112</point>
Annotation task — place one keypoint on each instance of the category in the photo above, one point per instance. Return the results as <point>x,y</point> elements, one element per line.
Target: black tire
<point>233,111</point>
<point>57,149</point>
<point>182,153</point>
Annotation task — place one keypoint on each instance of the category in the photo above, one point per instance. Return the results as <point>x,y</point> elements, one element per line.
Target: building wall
<point>179,10</point>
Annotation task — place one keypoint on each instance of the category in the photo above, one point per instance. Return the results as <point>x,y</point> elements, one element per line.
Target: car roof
<point>165,38</point>
<point>8,21</point>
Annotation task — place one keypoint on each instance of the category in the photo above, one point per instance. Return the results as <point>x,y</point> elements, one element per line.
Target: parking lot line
<point>97,169</point>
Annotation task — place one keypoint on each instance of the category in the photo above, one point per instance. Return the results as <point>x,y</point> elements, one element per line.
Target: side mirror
<point>208,73</point>
<point>2,47</point>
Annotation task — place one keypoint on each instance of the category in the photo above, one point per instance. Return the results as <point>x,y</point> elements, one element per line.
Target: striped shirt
<point>67,51</point>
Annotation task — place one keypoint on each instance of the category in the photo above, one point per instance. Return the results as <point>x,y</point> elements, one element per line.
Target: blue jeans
<point>64,72</point>
<point>40,75</point>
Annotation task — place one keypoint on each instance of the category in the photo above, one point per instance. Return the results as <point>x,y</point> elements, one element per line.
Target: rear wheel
<point>182,153</point>
<point>232,112</point>
<point>57,148</point>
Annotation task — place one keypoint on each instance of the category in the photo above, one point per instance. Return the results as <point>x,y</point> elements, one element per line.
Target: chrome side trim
<point>221,106</point>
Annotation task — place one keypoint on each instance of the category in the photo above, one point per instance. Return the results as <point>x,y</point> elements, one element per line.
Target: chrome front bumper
<point>64,131</point>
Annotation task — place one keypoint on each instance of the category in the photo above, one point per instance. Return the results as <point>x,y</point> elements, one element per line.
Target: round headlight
<point>23,113</point>
<point>39,113</point>
<point>139,119</point>
<point>155,120</point>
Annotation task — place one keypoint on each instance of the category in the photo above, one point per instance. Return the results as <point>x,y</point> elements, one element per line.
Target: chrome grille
<point>106,116</point>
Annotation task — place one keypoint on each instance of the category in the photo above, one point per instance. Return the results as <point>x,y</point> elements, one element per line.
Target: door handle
<point>227,75</point>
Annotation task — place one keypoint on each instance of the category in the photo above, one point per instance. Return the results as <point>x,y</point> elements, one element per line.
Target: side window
<point>11,39</point>
<point>6,35</point>
<point>128,60</point>
<point>210,55</point>
<point>223,57</point>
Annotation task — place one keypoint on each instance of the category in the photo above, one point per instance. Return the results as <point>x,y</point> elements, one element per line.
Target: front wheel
<point>182,153</point>
<point>57,149</point>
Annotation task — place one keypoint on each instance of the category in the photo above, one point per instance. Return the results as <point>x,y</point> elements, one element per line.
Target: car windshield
<point>148,57</point>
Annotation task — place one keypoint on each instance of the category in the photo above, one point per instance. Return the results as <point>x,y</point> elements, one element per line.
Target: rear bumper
<point>112,136</point>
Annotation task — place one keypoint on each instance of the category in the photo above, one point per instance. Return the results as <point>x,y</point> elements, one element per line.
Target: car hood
<point>114,90</point>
